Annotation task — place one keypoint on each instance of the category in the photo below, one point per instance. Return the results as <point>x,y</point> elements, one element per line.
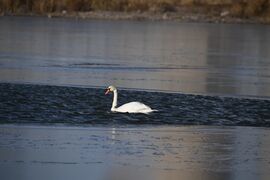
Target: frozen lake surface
<point>192,58</point>
<point>151,153</point>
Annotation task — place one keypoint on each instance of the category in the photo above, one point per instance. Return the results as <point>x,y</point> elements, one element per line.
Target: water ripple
<point>70,105</point>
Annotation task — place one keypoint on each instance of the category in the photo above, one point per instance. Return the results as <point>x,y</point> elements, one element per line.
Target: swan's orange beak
<point>108,90</point>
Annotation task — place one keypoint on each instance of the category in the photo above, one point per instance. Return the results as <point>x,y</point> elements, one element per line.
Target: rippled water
<point>79,106</point>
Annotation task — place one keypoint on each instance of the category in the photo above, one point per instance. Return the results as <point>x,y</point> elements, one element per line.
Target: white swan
<point>132,107</point>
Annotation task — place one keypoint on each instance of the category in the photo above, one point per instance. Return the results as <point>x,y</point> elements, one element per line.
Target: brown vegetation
<point>250,8</point>
<point>233,8</point>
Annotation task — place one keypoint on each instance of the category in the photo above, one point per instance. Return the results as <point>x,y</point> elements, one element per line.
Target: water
<point>208,81</point>
<point>192,58</point>
<point>83,106</point>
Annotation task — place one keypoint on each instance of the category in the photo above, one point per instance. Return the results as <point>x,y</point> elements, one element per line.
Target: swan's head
<point>110,89</point>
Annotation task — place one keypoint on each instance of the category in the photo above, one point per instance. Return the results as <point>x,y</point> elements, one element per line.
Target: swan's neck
<point>114,103</point>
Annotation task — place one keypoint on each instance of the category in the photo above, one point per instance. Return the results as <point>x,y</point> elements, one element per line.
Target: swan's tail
<point>151,111</point>
<point>148,111</point>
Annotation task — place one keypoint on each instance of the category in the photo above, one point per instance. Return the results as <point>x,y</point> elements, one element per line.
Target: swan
<point>132,107</point>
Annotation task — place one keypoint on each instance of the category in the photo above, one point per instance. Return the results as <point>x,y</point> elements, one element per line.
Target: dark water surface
<point>193,58</point>
<point>79,106</point>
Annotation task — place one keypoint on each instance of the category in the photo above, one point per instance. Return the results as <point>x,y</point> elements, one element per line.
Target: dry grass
<point>239,8</point>
<point>43,6</point>
<point>250,8</point>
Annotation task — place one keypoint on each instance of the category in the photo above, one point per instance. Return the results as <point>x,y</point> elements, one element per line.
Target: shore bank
<point>214,11</point>
<point>182,16</point>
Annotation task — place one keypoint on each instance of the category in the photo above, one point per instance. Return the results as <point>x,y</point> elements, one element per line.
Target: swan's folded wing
<point>134,107</point>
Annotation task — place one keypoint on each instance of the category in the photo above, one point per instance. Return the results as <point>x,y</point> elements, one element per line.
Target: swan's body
<point>132,107</point>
